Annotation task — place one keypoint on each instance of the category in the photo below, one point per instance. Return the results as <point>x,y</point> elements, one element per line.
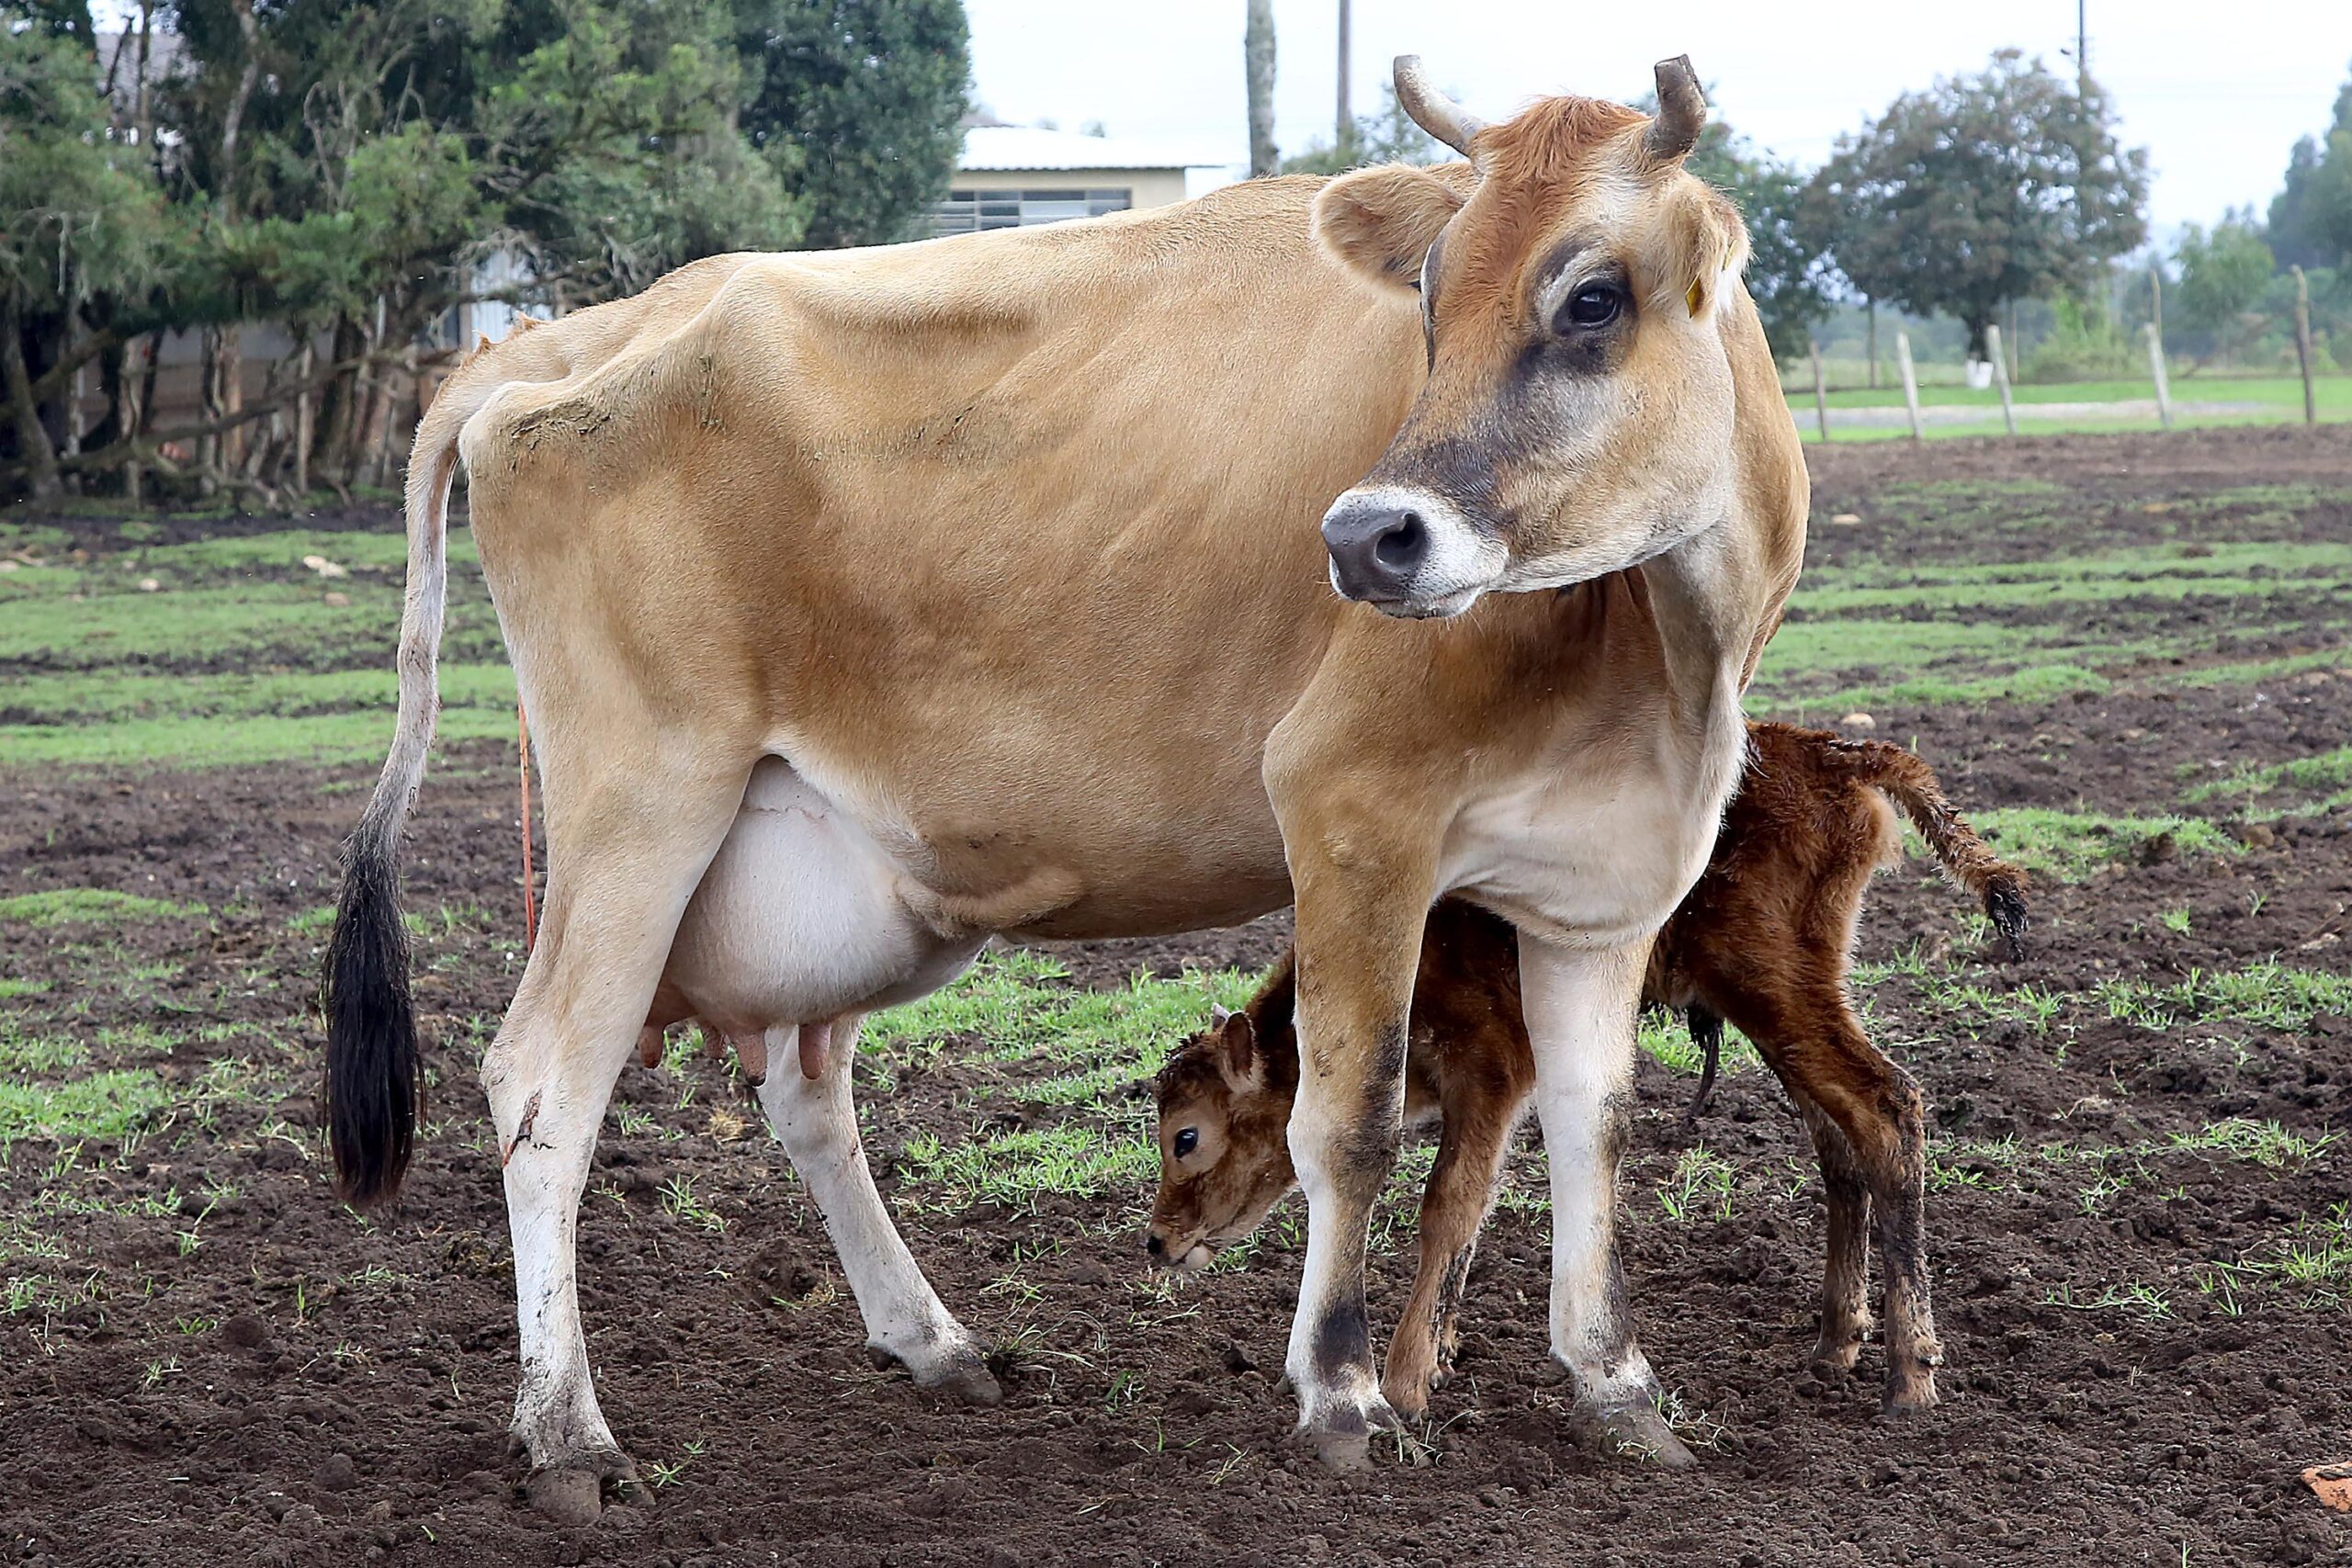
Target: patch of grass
<point>90,906</point>
<point>2327,777</point>
<point>1700,1186</point>
<point>2265,1143</point>
<point>2070,845</point>
<point>1668,1041</point>
<point>104,1106</point>
<point>1014,1168</point>
<point>1015,1006</point>
<point>2271,994</point>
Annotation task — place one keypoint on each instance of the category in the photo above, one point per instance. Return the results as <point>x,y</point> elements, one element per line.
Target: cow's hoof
<point>574,1491</point>
<point>1636,1431</point>
<point>961,1374</point>
<point>1339,1428</point>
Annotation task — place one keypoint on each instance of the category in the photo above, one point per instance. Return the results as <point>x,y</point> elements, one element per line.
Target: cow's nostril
<point>1404,543</point>
<point>1153,1245</point>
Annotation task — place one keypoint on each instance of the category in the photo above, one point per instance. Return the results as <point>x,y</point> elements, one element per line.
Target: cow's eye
<point>1187,1141</point>
<point>1594,305</point>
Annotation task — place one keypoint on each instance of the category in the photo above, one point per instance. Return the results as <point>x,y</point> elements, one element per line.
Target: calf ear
<point>1383,221</point>
<point>1237,1055</point>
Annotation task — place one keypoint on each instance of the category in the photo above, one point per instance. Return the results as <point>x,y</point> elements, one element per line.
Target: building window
<point>965,211</point>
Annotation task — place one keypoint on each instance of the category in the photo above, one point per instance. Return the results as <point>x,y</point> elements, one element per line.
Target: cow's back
<point>1010,540</point>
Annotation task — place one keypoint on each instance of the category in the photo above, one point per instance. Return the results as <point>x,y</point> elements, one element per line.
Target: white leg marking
<point>1580,1018</point>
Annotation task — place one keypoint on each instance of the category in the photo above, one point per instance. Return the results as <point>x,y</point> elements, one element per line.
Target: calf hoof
<point>1833,1357</point>
<point>1909,1391</point>
<point>961,1374</point>
<point>1636,1431</point>
<point>1339,1428</point>
<point>574,1492</point>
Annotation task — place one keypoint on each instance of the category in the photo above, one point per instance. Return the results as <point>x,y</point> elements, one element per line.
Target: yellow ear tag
<point>1690,297</point>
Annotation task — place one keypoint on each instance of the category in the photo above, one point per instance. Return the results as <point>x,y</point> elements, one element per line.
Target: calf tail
<point>1965,857</point>
<point>1707,1032</point>
<point>372,1067</point>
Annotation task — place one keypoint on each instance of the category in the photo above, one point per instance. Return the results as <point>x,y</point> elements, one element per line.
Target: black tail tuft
<point>371,1027</point>
<point>1707,1032</point>
<point>2005,902</point>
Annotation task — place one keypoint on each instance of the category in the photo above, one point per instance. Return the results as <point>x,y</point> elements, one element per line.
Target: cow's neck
<point>1703,602</point>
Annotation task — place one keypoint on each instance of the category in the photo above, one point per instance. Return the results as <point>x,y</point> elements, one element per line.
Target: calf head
<point>1578,415</point>
<point>1224,1146</point>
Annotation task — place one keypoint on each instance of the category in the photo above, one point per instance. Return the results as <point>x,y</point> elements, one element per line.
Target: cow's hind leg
<point>626,849</point>
<point>816,1121</point>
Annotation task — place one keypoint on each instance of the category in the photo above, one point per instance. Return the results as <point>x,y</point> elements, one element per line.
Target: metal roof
<point>988,147</point>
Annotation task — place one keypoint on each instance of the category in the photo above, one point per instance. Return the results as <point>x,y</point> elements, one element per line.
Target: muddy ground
<point>303,1386</point>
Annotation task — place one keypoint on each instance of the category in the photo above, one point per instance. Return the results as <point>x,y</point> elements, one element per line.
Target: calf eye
<point>1594,305</point>
<point>1187,1141</point>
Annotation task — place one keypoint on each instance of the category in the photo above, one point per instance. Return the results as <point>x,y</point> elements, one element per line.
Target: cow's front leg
<point>1580,1012</point>
<point>1359,941</point>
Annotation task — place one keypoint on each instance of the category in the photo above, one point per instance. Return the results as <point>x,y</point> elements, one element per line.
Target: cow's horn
<point>1681,111</point>
<point>1431,109</point>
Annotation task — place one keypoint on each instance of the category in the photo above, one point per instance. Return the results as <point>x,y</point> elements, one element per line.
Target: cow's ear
<point>1237,1055</point>
<point>1383,221</point>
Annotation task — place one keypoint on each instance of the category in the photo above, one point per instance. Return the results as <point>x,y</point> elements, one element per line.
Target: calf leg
<point>1453,1209</point>
<point>1845,1278</point>
<point>1580,1007</point>
<point>817,1122</point>
<point>1825,1057</point>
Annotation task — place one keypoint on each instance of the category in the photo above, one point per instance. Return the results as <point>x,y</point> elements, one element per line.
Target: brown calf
<point>1763,940</point>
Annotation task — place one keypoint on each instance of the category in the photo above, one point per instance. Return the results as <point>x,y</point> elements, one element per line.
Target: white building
<point>1012,175</point>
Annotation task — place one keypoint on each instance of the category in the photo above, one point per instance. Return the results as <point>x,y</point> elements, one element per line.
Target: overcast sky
<point>2217,93</point>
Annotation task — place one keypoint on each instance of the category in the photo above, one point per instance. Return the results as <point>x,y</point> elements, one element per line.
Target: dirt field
<point>2130,658</point>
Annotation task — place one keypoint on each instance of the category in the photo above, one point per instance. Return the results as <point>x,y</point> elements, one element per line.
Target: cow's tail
<point>372,1063</point>
<point>1966,858</point>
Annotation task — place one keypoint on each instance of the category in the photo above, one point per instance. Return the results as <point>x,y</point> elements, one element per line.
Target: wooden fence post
<point>2164,387</point>
<point>2304,343</point>
<point>2001,378</point>
<point>1820,389</point>
<point>1910,380</point>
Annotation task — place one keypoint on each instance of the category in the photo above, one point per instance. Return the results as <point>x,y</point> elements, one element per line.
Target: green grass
<point>90,906</point>
<point>2070,845</point>
<point>2281,400</point>
<point>2325,780</point>
<point>1888,630</point>
<point>2271,994</point>
<point>102,1106</point>
<point>236,657</point>
<point>1015,1006</point>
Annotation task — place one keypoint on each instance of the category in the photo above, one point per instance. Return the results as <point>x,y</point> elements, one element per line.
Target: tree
<point>345,167</point>
<point>80,218</point>
<point>2311,218</point>
<point>1787,234</point>
<point>1258,69</point>
<point>2222,274</point>
<point>1385,136</point>
<point>870,94</point>
<point>1983,189</point>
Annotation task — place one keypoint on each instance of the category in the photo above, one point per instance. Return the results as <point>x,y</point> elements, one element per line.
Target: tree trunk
<point>1976,325</point>
<point>34,453</point>
<point>1257,65</point>
<point>1870,308</point>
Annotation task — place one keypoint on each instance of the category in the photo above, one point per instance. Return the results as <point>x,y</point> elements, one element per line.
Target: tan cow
<point>869,603</point>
